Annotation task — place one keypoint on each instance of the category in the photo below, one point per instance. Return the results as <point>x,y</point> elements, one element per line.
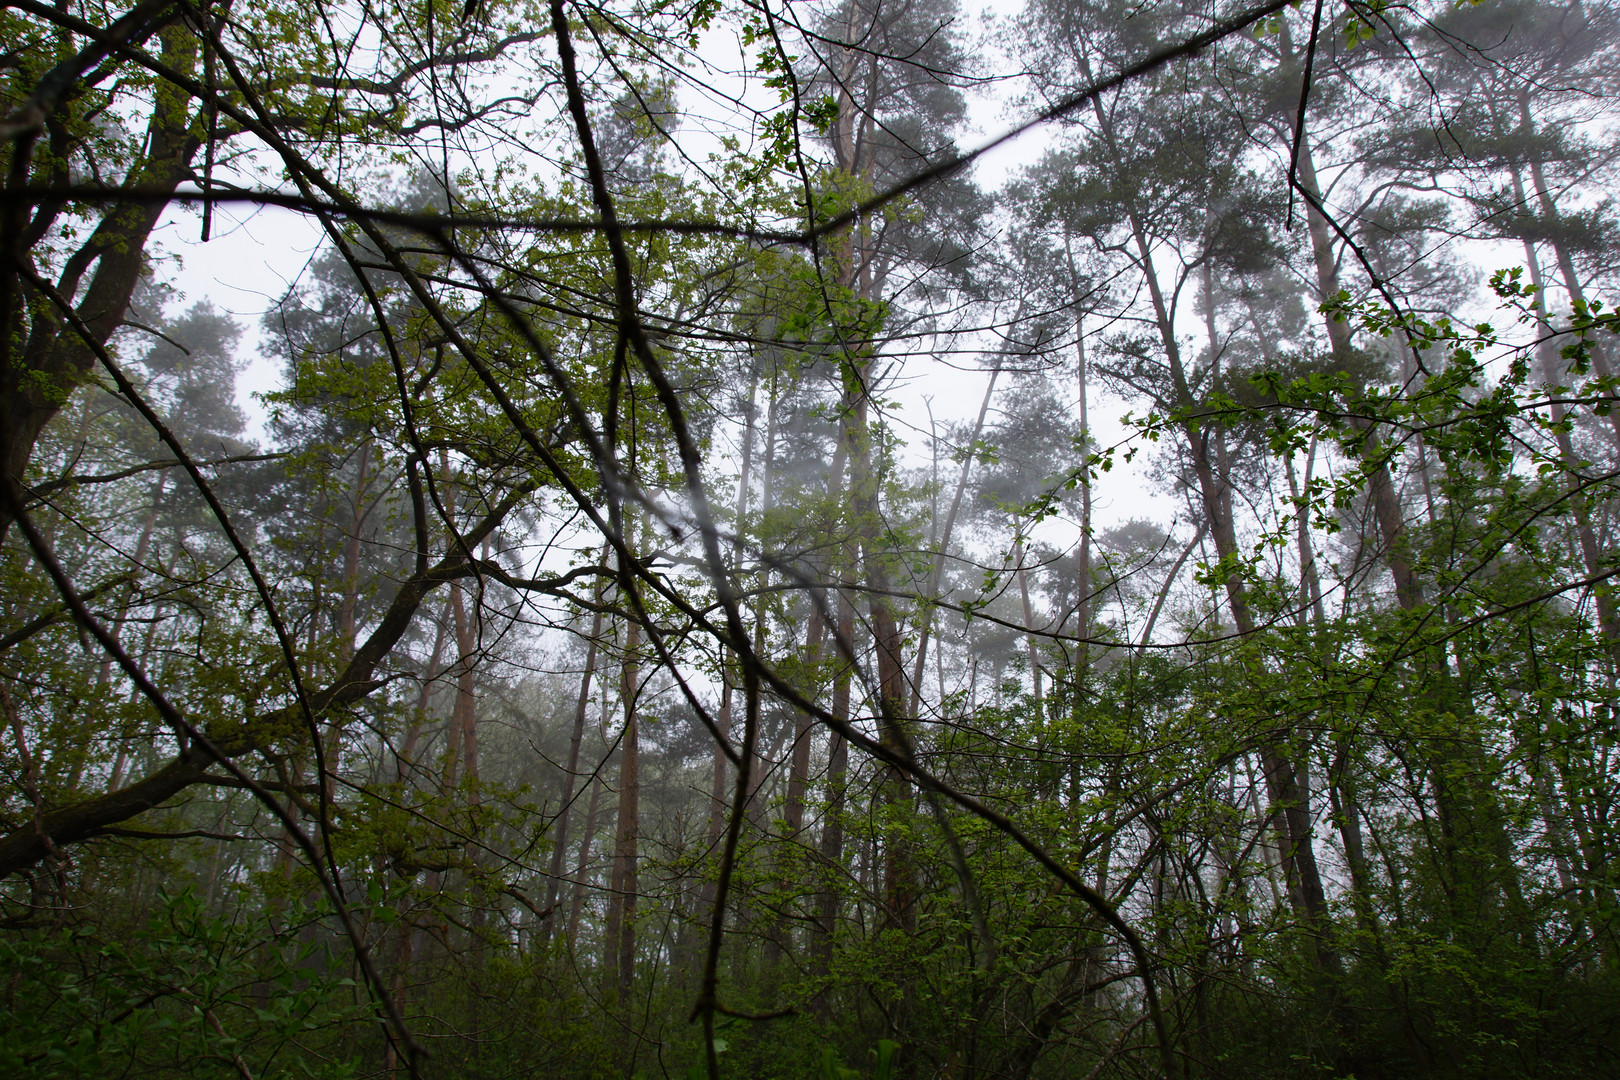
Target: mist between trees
<point>599,664</point>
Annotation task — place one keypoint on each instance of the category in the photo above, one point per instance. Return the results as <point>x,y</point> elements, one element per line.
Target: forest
<point>809,539</point>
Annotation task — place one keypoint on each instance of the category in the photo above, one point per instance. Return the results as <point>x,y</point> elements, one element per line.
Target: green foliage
<point>188,993</point>
<point>1383,667</point>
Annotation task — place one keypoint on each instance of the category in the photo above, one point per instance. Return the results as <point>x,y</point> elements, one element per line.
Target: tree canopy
<point>716,566</point>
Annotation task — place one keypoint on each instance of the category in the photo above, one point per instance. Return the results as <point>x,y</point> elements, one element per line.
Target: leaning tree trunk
<point>1468,808</point>
<point>1281,773</point>
<point>42,360</point>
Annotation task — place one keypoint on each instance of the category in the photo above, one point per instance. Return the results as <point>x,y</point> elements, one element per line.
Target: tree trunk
<point>142,547</point>
<point>461,746</point>
<point>899,876</point>
<point>1385,498</point>
<point>54,362</point>
<point>406,758</point>
<point>619,945</point>
<point>832,821</point>
<point>1031,643</point>
<point>1591,556</point>
<point>1281,774</point>
<point>1082,611</point>
<point>925,616</point>
<point>577,902</point>
<point>1599,350</point>
<point>24,847</point>
<point>565,805</point>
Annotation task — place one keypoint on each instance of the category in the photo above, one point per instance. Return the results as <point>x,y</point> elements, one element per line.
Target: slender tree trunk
<point>1346,808</point>
<point>121,761</point>
<point>717,790</point>
<point>925,616</point>
<point>41,366</point>
<point>1586,537</point>
<point>799,759</point>
<point>1281,773</point>
<point>577,902</point>
<point>559,847</point>
<point>1468,806</point>
<point>1310,582</point>
<point>1083,570</point>
<point>815,632</point>
<point>406,758</point>
<point>798,784</point>
<point>1341,787</point>
<point>1031,643</point>
<point>1599,350</point>
<point>854,271</point>
<point>358,512</point>
<point>1586,809</point>
<point>619,947</point>
<point>899,878</point>
<point>461,747</point>
<point>761,770</point>
<point>832,822</point>
<point>348,605</point>
<point>831,846</point>
<point>143,547</point>
<point>1385,498</point>
<point>728,679</point>
<point>460,734</point>
<point>399,986</point>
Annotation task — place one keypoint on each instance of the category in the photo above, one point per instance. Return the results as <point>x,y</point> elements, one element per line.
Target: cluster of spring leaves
<point>1474,386</point>
<point>188,993</point>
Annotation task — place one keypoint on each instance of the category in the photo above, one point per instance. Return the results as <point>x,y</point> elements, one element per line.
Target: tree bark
<point>1281,774</point>
<point>559,844</point>
<point>620,934</point>
<point>925,616</point>
<point>577,902</point>
<point>832,821</point>
<point>1550,357</point>
<point>35,384</point>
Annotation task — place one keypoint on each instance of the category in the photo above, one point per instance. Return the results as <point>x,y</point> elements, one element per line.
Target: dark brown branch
<point>426,224</point>
<point>41,490</point>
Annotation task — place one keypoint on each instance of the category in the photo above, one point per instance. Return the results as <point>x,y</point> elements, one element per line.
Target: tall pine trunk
<point>1281,772</point>
<point>619,938</point>
<point>565,805</point>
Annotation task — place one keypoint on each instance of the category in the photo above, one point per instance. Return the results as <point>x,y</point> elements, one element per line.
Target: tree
<point>604,661</point>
